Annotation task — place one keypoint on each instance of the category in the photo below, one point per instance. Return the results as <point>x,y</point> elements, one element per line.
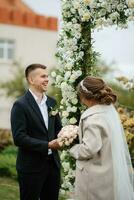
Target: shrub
<point>8,162</point>
<point>5,138</point>
<point>127,118</point>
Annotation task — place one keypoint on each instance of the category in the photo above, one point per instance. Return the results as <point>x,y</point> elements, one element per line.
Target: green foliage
<point>124,88</point>
<point>8,162</point>
<point>127,118</point>
<point>17,85</point>
<point>5,138</point>
<point>125,97</point>
<point>10,150</point>
<point>9,189</point>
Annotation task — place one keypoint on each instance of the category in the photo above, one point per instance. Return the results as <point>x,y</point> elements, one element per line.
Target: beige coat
<point>94,167</point>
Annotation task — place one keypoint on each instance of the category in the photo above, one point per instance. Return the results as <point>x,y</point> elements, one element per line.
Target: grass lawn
<point>9,189</point>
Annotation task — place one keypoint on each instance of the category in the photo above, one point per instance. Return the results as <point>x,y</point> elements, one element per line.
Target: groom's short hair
<point>33,67</point>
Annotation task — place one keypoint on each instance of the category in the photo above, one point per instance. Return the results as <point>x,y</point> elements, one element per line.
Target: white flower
<point>63,192</point>
<point>65,114</point>
<point>67,143</point>
<point>73,109</point>
<point>77,35</point>
<point>78,73</point>
<point>53,74</point>
<point>66,166</point>
<point>114,16</point>
<point>71,49</point>
<point>69,109</point>
<point>87,2</point>
<point>67,135</point>
<point>64,121</point>
<point>63,85</point>
<point>68,66</point>
<point>75,101</point>
<point>73,120</point>
<point>58,78</point>
<point>76,5</point>
<point>86,16</point>
<point>63,155</point>
<point>54,112</point>
<point>81,54</point>
<point>60,143</point>
<point>67,74</point>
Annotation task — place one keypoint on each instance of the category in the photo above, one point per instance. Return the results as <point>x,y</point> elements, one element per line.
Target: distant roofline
<point>17,12</point>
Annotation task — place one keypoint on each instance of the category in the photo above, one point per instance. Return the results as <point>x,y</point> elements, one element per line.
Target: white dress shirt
<point>43,107</point>
<point>44,110</point>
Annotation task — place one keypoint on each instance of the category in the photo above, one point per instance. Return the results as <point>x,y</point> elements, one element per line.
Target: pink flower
<point>67,135</point>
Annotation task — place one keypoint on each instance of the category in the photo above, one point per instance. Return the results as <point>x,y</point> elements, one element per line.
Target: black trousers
<point>40,186</point>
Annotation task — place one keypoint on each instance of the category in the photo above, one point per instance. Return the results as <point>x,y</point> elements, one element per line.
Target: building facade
<point>26,38</point>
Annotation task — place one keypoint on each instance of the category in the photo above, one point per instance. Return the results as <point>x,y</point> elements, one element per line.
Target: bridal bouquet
<point>68,135</point>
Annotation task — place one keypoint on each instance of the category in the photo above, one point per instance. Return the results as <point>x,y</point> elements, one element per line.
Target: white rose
<point>63,85</point>
<point>77,5</point>
<point>60,144</point>
<point>78,73</point>
<point>70,140</point>
<point>58,78</point>
<point>86,17</point>
<point>65,114</point>
<point>73,120</point>
<point>63,155</point>
<point>73,109</point>
<point>64,121</point>
<point>71,80</point>
<point>67,74</point>
<point>74,101</point>
<point>69,66</point>
<point>67,143</point>
<point>66,166</point>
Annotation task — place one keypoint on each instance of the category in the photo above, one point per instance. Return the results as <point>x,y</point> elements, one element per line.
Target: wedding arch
<point>77,58</point>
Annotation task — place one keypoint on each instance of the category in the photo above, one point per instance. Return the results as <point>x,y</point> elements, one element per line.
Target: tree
<point>16,86</point>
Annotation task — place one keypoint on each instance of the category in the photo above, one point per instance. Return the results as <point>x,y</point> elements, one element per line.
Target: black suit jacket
<point>31,135</point>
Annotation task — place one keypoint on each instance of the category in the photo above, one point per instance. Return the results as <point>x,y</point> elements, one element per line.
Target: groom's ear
<point>30,79</point>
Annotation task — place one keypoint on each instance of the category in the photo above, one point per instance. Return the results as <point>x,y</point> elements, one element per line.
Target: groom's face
<point>39,79</point>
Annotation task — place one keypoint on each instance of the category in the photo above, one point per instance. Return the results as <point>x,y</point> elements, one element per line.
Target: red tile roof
<point>16,5</point>
<point>16,12</point>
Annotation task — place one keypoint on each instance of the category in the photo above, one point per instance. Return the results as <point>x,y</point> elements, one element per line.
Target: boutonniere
<point>53,111</point>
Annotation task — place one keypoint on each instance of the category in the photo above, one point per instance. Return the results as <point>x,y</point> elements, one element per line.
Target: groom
<point>34,131</point>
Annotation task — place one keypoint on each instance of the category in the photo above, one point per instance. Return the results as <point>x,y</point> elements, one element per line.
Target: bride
<point>103,165</point>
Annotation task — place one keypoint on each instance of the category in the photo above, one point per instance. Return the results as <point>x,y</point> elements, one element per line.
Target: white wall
<point>32,46</point>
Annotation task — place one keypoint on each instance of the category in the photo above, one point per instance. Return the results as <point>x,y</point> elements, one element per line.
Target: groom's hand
<point>54,145</point>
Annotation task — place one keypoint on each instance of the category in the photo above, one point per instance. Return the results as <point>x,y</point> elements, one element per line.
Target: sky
<point>114,45</point>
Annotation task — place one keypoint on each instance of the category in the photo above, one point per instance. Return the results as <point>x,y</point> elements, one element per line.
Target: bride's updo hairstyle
<point>95,88</point>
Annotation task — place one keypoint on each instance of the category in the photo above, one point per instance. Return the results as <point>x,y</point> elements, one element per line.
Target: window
<point>7,48</point>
